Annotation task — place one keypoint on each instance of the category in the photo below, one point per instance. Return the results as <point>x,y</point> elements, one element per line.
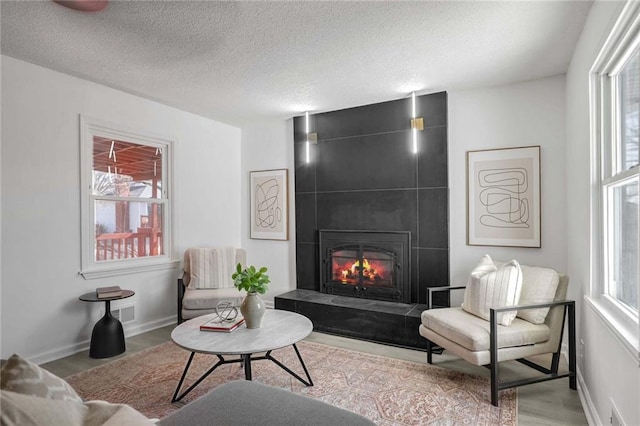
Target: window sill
<point>112,270</point>
<point>625,332</point>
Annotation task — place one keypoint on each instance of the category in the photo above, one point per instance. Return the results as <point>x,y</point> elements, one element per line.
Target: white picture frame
<point>269,204</point>
<point>503,197</point>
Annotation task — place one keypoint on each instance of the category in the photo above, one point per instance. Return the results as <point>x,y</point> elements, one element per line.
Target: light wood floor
<point>547,403</point>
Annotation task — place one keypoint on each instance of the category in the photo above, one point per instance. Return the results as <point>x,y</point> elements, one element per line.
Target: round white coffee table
<point>279,329</point>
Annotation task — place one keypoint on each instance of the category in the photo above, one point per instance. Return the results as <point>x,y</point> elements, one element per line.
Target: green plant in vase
<point>254,281</point>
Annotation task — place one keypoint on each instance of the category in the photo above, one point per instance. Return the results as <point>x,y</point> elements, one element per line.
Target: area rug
<point>385,390</point>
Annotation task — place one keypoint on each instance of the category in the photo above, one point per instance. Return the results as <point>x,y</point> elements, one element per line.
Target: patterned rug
<point>387,391</point>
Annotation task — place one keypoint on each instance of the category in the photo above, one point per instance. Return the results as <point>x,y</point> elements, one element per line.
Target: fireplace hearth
<point>366,264</point>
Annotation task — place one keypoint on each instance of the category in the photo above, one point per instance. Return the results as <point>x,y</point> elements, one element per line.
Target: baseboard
<point>587,404</point>
<point>129,331</point>
<point>58,353</point>
<point>135,329</point>
<point>583,392</point>
<point>269,304</point>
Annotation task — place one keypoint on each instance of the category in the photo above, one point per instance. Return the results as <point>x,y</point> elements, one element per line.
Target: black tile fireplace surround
<point>363,175</point>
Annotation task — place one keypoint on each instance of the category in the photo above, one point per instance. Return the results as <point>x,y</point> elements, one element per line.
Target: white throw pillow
<point>28,410</point>
<point>539,286</point>
<point>493,287</point>
<point>22,376</point>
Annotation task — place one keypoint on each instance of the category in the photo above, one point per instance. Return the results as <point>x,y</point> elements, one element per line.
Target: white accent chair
<point>194,302</point>
<point>486,343</point>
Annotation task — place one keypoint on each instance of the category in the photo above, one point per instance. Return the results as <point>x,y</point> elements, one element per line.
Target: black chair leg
<point>429,352</point>
<point>494,385</point>
<point>180,297</point>
<point>555,362</point>
<point>572,346</point>
<point>493,353</point>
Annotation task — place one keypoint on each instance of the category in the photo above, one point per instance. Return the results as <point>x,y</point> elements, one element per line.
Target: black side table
<point>107,337</point>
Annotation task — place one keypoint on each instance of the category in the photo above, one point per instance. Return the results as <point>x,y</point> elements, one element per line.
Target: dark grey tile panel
<point>379,161</point>
<point>305,172</point>
<point>368,119</point>
<point>434,272</point>
<point>285,304</point>
<point>414,274</point>
<point>393,210</point>
<point>433,108</point>
<point>299,131</point>
<point>433,217</point>
<point>432,157</point>
<point>306,229</point>
<point>307,266</point>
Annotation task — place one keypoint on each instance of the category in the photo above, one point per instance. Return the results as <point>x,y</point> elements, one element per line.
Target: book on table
<point>215,324</point>
<point>106,292</point>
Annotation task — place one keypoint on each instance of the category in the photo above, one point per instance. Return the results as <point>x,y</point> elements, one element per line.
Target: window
<point>126,206</point>
<point>616,117</point>
<point>620,186</point>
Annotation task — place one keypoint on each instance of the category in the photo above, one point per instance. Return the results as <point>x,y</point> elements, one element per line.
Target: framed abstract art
<point>503,197</point>
<point>269,204</point>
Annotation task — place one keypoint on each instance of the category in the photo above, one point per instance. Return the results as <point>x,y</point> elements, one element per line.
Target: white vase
<point>252,309</point>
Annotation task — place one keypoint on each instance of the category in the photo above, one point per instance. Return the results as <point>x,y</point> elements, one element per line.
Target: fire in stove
<point>366,264</point>
<point>349,272</point>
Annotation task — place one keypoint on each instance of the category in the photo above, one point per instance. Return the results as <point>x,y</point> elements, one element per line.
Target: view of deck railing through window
<point>127,194</point>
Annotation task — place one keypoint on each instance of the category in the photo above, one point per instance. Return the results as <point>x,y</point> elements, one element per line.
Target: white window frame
<point>619,46</point>
<point>90,269</point>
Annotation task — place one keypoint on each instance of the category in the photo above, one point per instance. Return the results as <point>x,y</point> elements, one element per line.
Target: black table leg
<point>307,382</point>
<point>246,360</point>
<point>107,337</point>
<point>220,362</point>
<point>184,373</point>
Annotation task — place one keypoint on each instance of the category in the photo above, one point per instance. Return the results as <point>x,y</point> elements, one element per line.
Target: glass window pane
<point>629,86</point>
<point>623,271</point>
<point>126,169</point>
<point>127,229</point>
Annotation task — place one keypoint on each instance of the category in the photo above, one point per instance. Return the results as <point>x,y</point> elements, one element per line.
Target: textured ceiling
<point>241,61</point>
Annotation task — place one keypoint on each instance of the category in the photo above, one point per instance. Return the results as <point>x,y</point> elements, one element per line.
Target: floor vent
<point>125,314</point>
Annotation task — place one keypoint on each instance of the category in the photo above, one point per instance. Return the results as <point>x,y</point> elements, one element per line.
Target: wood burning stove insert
<point>366,264</point>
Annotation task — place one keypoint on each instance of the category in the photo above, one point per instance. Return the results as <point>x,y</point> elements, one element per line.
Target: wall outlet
<point>616,418</point>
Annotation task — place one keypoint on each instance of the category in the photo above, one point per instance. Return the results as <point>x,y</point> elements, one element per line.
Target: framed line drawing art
<point>269,204</point>
<point>503,197</point>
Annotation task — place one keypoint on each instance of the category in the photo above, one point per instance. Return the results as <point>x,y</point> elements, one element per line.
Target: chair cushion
<point>493,287</point>
<point>472,332</point>
<point>212,267</point>
<point>539,285</point>
<point>22,376</point>
<point>200,298</point>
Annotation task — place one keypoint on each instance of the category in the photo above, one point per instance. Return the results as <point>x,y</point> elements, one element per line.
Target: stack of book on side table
<point>215,324</point>
<point>108,292</point>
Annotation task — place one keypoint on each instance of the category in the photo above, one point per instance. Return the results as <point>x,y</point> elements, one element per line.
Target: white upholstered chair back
<point>241,257</point>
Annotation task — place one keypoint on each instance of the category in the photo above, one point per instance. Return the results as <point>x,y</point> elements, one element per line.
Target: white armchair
<point>487,343</point>
<point>194,301</point>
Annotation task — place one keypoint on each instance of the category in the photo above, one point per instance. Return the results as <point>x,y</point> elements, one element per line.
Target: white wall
<point>41,316</point>
<point>531,113</point>
<point>607,371</point>
<point>267,146</point>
